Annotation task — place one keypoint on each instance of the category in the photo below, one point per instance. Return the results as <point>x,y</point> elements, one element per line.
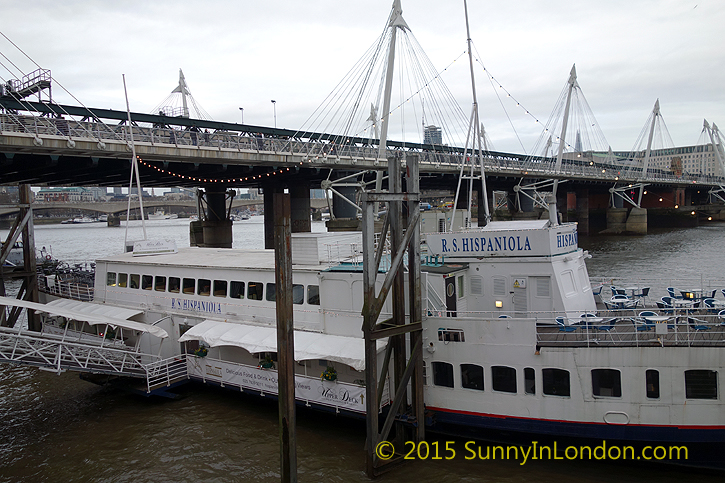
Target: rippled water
<point>61,429</point>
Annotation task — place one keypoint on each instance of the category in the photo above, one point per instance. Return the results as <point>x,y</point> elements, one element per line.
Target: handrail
<point>72,129</point>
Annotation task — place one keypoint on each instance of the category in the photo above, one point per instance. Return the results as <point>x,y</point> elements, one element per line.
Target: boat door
<point>541,298</point>
<point>451,296</point>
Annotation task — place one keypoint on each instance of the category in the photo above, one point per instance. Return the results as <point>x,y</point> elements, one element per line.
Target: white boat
<point>515,341</point>
<point>161,215</point>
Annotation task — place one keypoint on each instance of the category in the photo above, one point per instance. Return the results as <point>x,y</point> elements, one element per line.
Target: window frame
<point>499,374</point>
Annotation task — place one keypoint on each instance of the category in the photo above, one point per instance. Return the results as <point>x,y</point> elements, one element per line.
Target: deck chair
<point>563,327</point>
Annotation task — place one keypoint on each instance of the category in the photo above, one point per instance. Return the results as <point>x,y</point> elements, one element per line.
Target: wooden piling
<point>285,338</point>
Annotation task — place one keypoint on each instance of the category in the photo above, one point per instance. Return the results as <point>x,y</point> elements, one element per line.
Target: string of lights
<point>213,180</point>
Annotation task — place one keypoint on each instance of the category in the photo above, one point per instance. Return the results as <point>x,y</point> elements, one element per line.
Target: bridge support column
<point>582,211</point>
<point>637,221</point>
<point>345,213</point>
<point>114,220</point>
<point>217,227</point>
<point>616,220</point>
<point>300,207</point>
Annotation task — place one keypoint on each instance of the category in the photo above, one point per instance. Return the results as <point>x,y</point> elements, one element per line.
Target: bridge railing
<point>584,165</point>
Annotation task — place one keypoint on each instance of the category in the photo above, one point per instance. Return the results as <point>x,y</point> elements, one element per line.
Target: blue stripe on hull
<point>705,445</point>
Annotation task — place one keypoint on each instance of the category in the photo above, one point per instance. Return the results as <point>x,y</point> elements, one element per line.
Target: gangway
<point>58,349</point>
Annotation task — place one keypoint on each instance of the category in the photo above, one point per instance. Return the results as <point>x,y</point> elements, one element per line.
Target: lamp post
<point>274,106</point>
<point>242,109</point>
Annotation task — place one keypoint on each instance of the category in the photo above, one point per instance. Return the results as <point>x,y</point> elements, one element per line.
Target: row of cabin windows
<point>699,384</point>
<point>206,287</point>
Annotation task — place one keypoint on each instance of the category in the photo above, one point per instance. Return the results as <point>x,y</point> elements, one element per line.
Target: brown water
<point>61,429</point>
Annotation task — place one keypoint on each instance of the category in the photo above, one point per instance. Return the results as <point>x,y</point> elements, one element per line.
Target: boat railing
<point>621,329</point>
<point>166,372</point>
<point>436,307</point>
<point>309,389</point>
<point>65,289</point>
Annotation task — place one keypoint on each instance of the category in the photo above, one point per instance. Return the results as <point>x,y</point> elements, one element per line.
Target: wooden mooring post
<point>381,453</point>
<point>22,227</point>
<point>285,338</point>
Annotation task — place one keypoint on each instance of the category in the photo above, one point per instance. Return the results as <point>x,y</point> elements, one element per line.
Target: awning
<point>114,316</point>
<point>308,345</point>
<point>102,310</point>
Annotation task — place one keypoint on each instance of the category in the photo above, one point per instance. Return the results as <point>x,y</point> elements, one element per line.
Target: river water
<point>61,429</point>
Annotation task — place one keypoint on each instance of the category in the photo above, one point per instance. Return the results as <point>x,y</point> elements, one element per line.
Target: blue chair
<point>608,324</point>
<point>644,325</point>
<point>643,293</point>
<point>697,325</point>
<point>665,309</point>
<point>721,316</point>
<point>723,291</point>
<point>669,301</point>
<point>563,327</point>
<point>673,293</point>
<point>504,316</point>
<point>710,305</point>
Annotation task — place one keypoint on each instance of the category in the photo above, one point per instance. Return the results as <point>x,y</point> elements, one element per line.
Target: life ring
<point>48,257</point>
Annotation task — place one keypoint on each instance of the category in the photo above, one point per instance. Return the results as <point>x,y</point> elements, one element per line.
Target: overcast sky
<point>244,54</point>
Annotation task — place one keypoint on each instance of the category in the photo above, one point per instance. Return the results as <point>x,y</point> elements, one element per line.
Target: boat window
<point>236,290</point>
<point>701,384</point>
<point>313,294</point>
<point>529,380</point>
<point>174,284</point>
<point>204,287</point>
<point>122,279</point>
<point>189,284</point>
<point>504,378</point>
<point>111,279</point>
<point>652,379</point>
<point>135,280</point>
<point>442,374</point>
<point>147,282</point>
<point>254,290</point>
<point>606,383</point>
<point>451,335</point>
<point>271,292</point>
<point>298,294</point>
<point>220,288</point>
<point>160,285</point>
<point>555,382</point>
<point>461,287</point>
<point>472,376</point>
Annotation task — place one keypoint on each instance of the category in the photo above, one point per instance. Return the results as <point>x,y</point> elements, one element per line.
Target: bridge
<point>118,207</point>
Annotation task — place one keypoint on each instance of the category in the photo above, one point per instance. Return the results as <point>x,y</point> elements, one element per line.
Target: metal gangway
<point>58,348</point>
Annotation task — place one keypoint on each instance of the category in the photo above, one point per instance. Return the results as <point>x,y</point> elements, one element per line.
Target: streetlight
<point>274,106</point>
<point>242,109</point>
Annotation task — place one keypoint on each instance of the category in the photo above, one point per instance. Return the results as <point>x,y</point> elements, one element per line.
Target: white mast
<point>475,126</point>
<point>553,217</point>
<point>396,22</point>
<point>645,163</point>
<point>184,92</point>
<point>134,169</point>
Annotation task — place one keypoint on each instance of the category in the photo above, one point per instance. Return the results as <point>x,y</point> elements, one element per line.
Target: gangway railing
<point>166,372</point>
<point>51,351</point>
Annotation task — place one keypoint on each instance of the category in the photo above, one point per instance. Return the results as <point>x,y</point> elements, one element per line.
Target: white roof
<point>101,310</point>
<point>86,312</point>
<point>308,345</point>
<point>206,258</point>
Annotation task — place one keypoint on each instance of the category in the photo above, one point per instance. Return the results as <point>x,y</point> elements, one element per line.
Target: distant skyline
<point>243,54</point>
